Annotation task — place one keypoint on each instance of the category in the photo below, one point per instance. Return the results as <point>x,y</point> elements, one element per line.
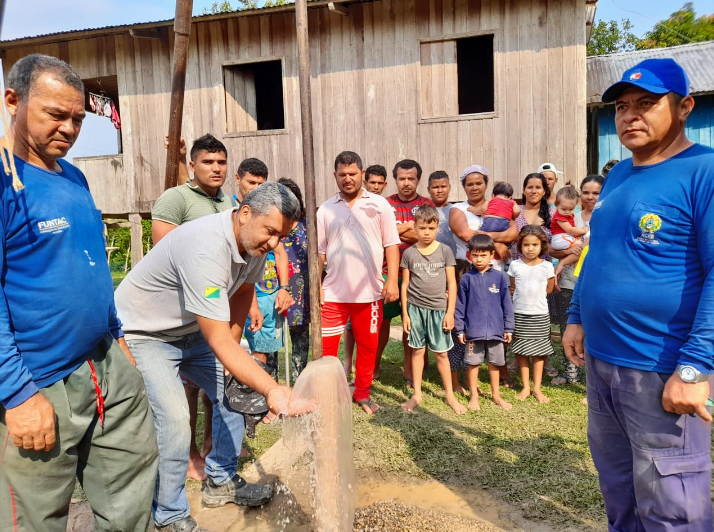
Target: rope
<point>98,392</point>
<point>6,144</point>
<point>16,183</point>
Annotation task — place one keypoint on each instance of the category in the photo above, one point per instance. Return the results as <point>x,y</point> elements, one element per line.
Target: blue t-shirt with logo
<point>58,297</point>
<point>645,296</point>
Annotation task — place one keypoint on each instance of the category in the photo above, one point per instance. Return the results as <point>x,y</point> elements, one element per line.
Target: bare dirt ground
<point>393,516</point>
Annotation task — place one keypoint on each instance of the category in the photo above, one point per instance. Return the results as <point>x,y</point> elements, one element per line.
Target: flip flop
<point>374,407</point>
<point>509,383</point>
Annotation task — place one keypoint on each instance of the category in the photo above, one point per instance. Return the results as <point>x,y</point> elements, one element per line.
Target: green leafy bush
<point>120,237</point>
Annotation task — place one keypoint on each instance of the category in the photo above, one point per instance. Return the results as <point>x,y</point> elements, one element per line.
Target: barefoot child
<point>427,311</point>
<point>484,318</point>
<point>532,278</point>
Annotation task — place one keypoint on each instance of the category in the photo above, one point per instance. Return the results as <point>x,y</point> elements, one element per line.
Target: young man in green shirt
<point>193,199</point>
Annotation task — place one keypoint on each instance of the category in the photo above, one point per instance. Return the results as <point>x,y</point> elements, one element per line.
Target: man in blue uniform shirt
<point>644,307</point>
<point>71,401</point>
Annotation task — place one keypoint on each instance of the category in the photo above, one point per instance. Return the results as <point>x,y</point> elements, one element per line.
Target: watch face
<point>688,373</point>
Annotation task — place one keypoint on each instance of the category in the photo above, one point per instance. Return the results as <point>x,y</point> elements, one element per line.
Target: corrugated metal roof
<point>99,29</point>
<point>61,35</point>
<point>83,33</point>
<point>696,59</point>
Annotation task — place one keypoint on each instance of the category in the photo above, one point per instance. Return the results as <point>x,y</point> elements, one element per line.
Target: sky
<point>645,13</point>
<point>99,136</point>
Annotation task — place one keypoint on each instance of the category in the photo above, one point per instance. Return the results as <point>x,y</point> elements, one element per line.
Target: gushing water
<point>327,435</point>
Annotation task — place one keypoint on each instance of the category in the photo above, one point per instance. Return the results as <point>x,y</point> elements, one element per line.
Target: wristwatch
<point>691,374</point>
<point>285,287</point>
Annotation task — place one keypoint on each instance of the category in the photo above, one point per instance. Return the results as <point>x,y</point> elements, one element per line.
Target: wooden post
<point>137,234</point>
<point>308,157</point>
<point>182,30</point>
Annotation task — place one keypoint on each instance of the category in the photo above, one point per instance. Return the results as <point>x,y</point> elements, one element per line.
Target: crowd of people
<point>104,386</point>
<point>434,240</point>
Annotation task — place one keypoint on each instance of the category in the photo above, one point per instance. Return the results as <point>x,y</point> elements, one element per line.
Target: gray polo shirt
<point>189,202</point>
<point>193,271</point>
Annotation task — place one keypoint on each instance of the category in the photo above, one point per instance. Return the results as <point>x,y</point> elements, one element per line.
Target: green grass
<point>535,456</point>
<point>118,277</point>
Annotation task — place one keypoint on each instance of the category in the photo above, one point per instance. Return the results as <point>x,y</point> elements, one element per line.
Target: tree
<point>226,7</point>
<point>681,27</point>
<point>611,37</point>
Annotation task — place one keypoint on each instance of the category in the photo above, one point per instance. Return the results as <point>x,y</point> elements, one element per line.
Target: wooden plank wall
<point>109,182</point>
<point>365,87</point>
<point>241,111</point>
<point>90,57</point>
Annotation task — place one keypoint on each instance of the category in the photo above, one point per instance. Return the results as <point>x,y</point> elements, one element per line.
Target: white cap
<point>548,167</point>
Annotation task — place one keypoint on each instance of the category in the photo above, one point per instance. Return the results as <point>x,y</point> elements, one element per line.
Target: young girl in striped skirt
<point>532,279</point>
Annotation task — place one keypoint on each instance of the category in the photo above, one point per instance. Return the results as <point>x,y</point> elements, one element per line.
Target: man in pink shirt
<point>356,229</point>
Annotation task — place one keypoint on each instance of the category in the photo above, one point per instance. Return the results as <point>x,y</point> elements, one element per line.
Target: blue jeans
<point>160,363</point>
<point>654,466</point>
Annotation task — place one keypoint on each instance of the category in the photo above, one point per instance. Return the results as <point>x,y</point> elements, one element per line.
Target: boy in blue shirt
<point>484,318</point>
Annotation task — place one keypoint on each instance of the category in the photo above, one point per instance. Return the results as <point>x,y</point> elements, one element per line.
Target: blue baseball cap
<point>658,76</point>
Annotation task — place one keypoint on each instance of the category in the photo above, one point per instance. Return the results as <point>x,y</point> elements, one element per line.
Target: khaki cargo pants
<point>116,465</point>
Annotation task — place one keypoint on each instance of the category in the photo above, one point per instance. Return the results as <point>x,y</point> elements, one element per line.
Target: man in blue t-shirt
<point>71,401</point>
<point>644,307</point>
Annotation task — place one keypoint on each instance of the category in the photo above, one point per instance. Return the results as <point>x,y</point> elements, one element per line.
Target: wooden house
<point>604,70</point>
<point>446,82</point>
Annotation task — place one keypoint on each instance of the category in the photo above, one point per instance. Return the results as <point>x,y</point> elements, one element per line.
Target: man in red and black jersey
<point>405,202</point>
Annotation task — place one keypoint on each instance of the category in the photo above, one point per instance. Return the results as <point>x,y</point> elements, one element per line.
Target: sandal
<point>559,381</point>
<point>513,369</point>
<point>374,407</point>
<point>550,371</point>
<point>509,383</point>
